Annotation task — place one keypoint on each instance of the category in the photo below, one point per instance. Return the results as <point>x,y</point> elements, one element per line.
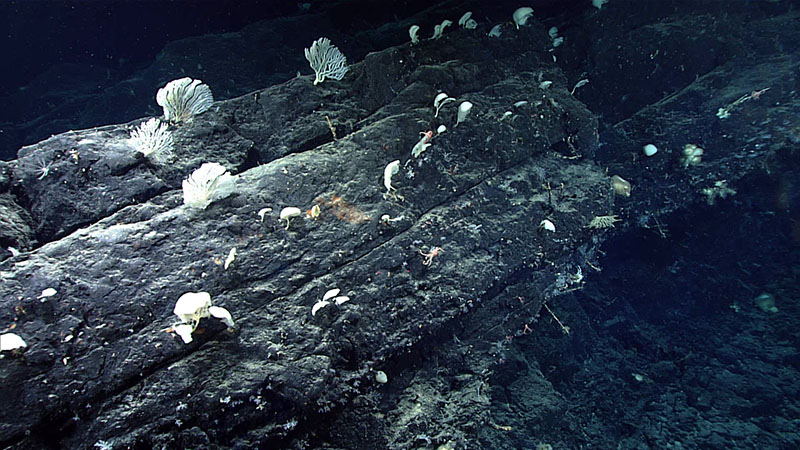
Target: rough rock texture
<point>472,357</point>
<point>100,365</point>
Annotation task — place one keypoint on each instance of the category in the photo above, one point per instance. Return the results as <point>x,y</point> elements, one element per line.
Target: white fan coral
<point>184,98</point>
<point>326,60</point>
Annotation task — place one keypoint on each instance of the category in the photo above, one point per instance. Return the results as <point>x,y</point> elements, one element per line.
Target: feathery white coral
<point>154,140</point>
<point>209,183</point>
<point>326,60</point>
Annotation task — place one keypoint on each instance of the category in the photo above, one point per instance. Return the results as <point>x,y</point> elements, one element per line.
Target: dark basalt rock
<point>471,355</point>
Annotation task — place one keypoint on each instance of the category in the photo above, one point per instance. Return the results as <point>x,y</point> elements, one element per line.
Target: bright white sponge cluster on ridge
<point>209,183</point>
<point>193,306</point>
<point>326,60</point>
<point>184,98</point>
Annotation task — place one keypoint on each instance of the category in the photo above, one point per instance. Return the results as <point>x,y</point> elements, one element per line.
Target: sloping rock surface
<point>121,248</point>
<point>472,310</point>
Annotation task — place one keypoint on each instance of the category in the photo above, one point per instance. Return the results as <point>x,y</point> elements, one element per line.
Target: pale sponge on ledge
<point>193,306</point>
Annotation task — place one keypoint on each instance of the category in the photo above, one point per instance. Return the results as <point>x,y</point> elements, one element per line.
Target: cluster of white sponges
<point>193,306</point>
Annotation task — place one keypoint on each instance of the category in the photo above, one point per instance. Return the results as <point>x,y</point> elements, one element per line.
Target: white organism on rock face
<point>183,99</point>
<point>692,155</point>
<point>193,306</point>
<point>388,172</point>
<point>153,140</point>
<point>521,15</point>
<point>326,60</point>
<point>463,111</point>
<point>413,33</point>
<point>441,100</point>
<point>10,342</point>
<point>332,295</point>
<point>209,183</point>
<point>422,144</point>
<point>438,30</point>
<point>547,225</point>
<point>467,22</point>
<point>289,212</point>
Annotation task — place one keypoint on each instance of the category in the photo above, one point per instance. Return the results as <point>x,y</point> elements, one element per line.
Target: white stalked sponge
<point>11,341</point>
<point>193,306</point>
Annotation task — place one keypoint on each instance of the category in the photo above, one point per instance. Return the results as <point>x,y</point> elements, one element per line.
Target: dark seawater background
<point>57,53</point>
